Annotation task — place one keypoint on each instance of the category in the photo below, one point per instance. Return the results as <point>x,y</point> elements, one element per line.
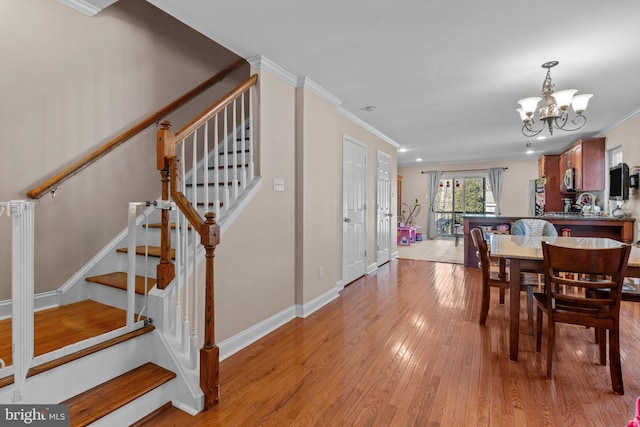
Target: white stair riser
<point>73,378</point>
<point>140,407</point>
<point>114,297</point>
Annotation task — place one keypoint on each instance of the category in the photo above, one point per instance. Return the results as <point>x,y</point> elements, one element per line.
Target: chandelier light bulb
<point>580,102</point>
<point>563,98</point>
<point>529,105</point>
<point>523,115</point>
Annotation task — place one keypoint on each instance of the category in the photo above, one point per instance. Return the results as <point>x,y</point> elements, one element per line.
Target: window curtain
<point>495,181</point>
<point>434,186</point>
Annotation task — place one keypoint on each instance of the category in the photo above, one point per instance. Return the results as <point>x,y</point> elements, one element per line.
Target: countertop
<point>571,217</point>
<point>588,217</point>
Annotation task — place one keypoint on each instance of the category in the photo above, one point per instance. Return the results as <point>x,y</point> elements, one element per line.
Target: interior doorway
<point>384,213</point>
<point>458,196</point>
<point>354,192</point>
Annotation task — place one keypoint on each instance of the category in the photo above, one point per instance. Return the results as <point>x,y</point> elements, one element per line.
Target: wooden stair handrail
<point>207,228</point>
<point>215,108</point>
<point>52,183</point>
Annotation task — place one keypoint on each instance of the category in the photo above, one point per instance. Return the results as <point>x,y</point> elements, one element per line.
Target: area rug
<point>437,250</point>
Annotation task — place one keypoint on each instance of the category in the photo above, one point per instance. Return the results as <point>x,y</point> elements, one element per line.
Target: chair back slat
<point>482,251</point>
<point>596,275</point>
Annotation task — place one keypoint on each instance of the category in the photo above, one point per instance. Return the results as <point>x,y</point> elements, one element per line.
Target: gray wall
<point>71,83</point>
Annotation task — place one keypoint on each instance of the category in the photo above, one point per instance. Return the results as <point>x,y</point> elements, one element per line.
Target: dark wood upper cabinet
<point>549,168</point>
<point>586,157</point>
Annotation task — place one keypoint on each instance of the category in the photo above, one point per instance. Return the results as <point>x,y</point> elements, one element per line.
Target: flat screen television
<point>619,182</point>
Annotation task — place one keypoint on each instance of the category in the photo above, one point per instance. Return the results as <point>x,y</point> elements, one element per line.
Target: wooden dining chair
<point>597,276</point>
<point>490,278</point>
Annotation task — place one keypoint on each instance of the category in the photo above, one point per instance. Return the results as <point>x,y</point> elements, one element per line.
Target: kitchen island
<point>617,228</point>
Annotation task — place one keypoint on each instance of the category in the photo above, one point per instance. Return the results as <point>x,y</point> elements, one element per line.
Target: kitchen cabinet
<point>549,168</point>
<point>620,229</point>
<point>586,157</point>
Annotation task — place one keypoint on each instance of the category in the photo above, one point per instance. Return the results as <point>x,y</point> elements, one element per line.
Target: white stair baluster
<point>234,157</point>
<point>194,170</point>
<point>243,157</point>
<point>216,167</point>
<point>226,161</point>
<point>252,170</point>
<point>205,170</point>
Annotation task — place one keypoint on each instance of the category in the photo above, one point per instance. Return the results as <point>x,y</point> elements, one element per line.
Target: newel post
<point>165,154</point>
<point>209,353</point>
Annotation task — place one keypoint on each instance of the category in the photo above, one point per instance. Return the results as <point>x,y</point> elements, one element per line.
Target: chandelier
<point>553,113</point>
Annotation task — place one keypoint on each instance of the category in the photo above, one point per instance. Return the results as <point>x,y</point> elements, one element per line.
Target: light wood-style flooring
<point>403,347</point>
<point>437,250</point>
<point>62,326</point>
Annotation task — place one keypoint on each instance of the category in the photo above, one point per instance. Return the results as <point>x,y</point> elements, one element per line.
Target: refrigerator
<point>536,196</point>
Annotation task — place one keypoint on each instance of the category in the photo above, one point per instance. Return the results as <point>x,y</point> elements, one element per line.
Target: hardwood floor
<point>403,347</point>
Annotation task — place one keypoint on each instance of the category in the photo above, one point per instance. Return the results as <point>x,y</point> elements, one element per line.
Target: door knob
<point>346,219</point>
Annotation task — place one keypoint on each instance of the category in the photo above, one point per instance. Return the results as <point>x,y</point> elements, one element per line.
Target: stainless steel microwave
<point>568,180</point>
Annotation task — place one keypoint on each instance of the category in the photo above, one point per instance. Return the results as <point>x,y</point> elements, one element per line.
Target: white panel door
<point>384,214</point>
<point>354,167</point>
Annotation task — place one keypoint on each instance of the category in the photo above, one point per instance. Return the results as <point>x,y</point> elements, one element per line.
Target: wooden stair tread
<point>79,354</point>
<point>167,413</point>
<point>105,398</point>
<point>228,167</point>
<point>211,184</point>
<point>118,280</point>
<point>231,152</point>
<point>154,251</point>
<point>58,327</point>
<point>159,225</point>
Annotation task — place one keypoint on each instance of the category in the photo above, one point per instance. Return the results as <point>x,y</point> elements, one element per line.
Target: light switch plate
<point>278,184</point>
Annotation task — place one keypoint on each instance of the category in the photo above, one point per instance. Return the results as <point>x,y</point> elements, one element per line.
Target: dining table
<point>524,253</point>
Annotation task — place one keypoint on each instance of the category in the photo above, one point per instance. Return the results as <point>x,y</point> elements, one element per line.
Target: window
<point>458,196</point>
<point>615,156</point>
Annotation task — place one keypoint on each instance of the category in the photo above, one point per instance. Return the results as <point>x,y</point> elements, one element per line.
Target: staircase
<point>79,378</point>
<point>121,376</point>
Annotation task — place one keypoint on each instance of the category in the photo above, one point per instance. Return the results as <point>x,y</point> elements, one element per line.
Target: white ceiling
<point>444,76</point>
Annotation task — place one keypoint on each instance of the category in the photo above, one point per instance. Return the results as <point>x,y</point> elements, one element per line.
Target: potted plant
<point>409,213</point>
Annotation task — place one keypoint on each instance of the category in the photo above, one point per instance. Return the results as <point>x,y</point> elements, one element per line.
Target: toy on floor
<point>636,421</point>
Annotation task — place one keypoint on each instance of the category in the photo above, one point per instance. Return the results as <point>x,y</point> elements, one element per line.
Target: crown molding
<point>262,62</point>
<point>88,7</point>
<point>619,123</point>
<point>348,115</point>
<point>307,83</point>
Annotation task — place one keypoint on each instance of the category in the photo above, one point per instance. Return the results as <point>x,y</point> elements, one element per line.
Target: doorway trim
<point>346,141</point>
<point>384,232</point>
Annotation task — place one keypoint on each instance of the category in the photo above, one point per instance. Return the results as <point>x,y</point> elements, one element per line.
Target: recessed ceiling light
<point>418,159</point>
<point>529,149</point>
<point>402,150</point>
<point>369,108</point>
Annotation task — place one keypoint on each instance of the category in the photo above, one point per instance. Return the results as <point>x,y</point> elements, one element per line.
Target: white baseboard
<point>394,255</point>
<point>339,285</point>
<point>236,343</point>
<point>305,310</point>
<point>371,268</point>
<point>40,302</point>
